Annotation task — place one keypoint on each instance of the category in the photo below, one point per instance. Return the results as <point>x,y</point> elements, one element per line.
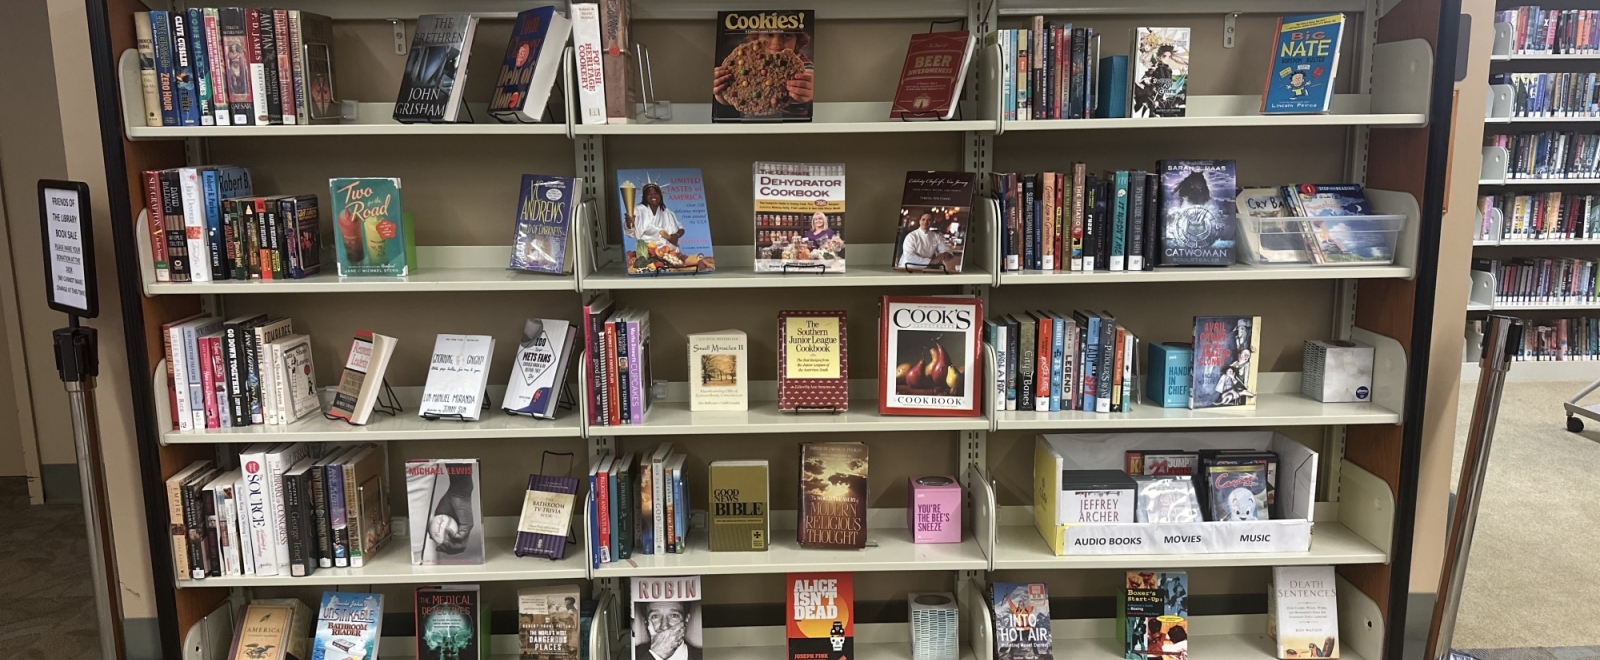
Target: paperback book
<point>929,348</point>
<point>821,623</point>
<point>374,235</point>
<point>1153,615</point>
<point>272,628</point>
<point>458,373</point>
<point>545,213</point>
<point>436,69</point>
<point>799,217</point>
<point>739,500</point>
<point>1021,613</point>
<point>763,69</point>
<point>719,371</point>
<point>1197,212</point>
<point>933,75</point>
<point>833,495</point>
<point>813,361</point>
<point>666,228</point>
<point>1304,60</point>
<point>1160,72</point>
<point>1224,372</point>
<point>361,384</point>
<point>348,626</point>
<point>666,617</point>
<point>452,623</point>
<point>1272,241</point>
<point>532,60</point>
<point>935,211</point>
<point>548,622</point>
<point>546,517</point>
<point>539,370</point>
<point>445,511</point>
<point>1304,610</point>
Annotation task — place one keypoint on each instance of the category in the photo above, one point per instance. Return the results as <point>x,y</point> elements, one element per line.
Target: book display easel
<point>1387,130</point>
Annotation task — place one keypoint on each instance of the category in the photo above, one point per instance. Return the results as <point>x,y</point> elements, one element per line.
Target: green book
<point>373,233</point>
<point>739,501</point>
<point>1119,220</point>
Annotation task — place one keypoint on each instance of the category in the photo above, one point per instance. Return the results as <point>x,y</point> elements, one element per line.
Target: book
<point>935,210</point>
<point>546,516</point>
<point>361,383</point>
<point>293,362</point>
<point>1238,491</point>
<point>813,361</point>
<point>934,513</point>
<point>740,497</point>
<point>436,69</point>
<point>274,629</point>
<point>1305,58</point>
<point>175,516</point>
<point>719,371</point>
<point>302,555</point>
<point>799,217</point>
<point>763,69</point>
<point>1272,241</point>
<point>348,626</point>
<point>666,617</point>
<point>665,225</point>
<point>1224,371</point>
<point>458,375</point>
<point>1021,612</point>
<point>1197,212</point>
<point>314,69</point>
<point>1113,88</point>
<point>545,213</point>
<point>166,105</point>
<point>183,68</point>
<point>1167,379</point>
<point>452,623</point>
<point>374,236</point>
<point>445,511</point>
<point>1305,611</point>
<point>302,235</point>
<point>590,71</point>
<point>1160,71</point>
<point>145,40</point>
<point>548,622</point>
<point>1328,200</point>
<point>620,69</point>
<point>933,75</point>
<point>539,370</point>
<point>278,461</point>
<point>833,495</point>
<point>929,354</point>
<point>822,616</point>
<point>528,71</point>
<point>1153,615</point>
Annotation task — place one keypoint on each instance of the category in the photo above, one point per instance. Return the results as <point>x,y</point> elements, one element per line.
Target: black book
<point>1136,238</point>
<point>1152,220</point>
<point>183,68</point>
<point>1091,233</point>
<point>275,239</point>
<point>177,237</point>
<point>1103,200</point>
<point>1105,365</point>
<point>263,239</point>
<point>194,522</point>
<point>298,519</point>
<point>1080,45</point>
<point>436,69</point>
<point>237,363</point>
<point>1030,223</point>
<point>269,64</point>
<point>317,481</point>
<point>1198,208</point>
<point>209,516</point>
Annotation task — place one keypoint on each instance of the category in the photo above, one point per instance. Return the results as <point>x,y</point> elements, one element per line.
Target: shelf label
<point>1188,538</point>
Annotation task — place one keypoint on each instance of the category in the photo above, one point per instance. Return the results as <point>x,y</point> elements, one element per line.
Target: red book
<point>156,227</point>
<point>208,346</point>
<point>813,361</point>
<point>930,356</point>
<point>280,30</point>
<point>614,409</point>
<point>821,621</point>
<point>930,81</point>
<point>602,506</point>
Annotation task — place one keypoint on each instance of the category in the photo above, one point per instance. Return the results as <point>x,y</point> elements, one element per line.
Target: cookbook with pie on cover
<point>929,355</point>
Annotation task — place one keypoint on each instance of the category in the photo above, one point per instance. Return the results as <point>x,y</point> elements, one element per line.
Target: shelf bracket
<point>1229,29</point>
<point>599,444</point>
<point>401,47</point>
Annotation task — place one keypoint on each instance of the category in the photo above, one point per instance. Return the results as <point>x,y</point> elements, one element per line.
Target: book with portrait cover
<point>821,616</point>
<point>435,76</point>
<point>545,210</point>
<point>452,623</point>
<point>548,622</point>
<point>528,72</point>
<point>666,617</point>
<point>763,69</point>
<point>1224,372</point>
<point>1021,613</point>
<point>1304,61</point>
<point>833,495</point>
<point>445,511</point>
<point>935,209</point>
<point>813,361</point>
<point>1197,212</point>
<point>348,626</point>
<point>665,226</point>
<point>1160,71</point>
<point>929,350</point>
<point>799,217</point>
<point>372,232</point>
<point>932,77</point>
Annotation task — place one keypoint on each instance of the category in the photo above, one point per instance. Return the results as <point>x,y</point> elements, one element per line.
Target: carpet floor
<point>46,603</point>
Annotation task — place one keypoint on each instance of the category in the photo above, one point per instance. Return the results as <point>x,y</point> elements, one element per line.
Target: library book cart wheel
<point>1574,424</point>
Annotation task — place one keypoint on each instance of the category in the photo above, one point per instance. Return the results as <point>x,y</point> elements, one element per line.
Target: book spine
<point>178,256</point>
<point>338,517</point>
<point>614,40</point>
<point>241,521</point>
<point>1058,344</point>
<point>208,383</point>
<point>236,41</point>
<point>1136,235</point>
<point>625,511</point>
<point>252,377</point>
<point>638,387</point>
<point>216,65</point>
<point>1118,376</point>
<point>166,75</point>
<point>1119,220</point>
<point>269,65</point>
<point>194,526</point>
<point>354,543</point>
<point>210,519</point>
<point>1069,365</point>
<point>145,38</point>
<point>1091,363</point>
<point>259,494</point>
<point>228,518</point>
<point>1047,206</point>
<point>588,55</point>
<point>233,369</point>
<point>155,227</point>
<point>1029,242</point>
<point>600,482</point>
<point>281,46</point>
<point>670,519</point>
<point>277,463</point>
<point>318,483</point>
<point>1108,334</point>
<point>200,62</point>
<point>177,530</point>
<point>1130,362</point>
<point>613,405</point>
<point>183,69</point>
<point>1041,368</point>
<point>211,199</point>
<point>194,225</point>
<point>1028,344</point>
<point>297,67</point>
<point>258,70</point>
<point>659,511</point>
<point>625,377</point>
<point>183,410</point>
<point>647,537</point>
<point>294,505</point>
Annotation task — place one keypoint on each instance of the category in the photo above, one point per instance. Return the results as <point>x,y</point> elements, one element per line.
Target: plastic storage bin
<point>1351,240</point>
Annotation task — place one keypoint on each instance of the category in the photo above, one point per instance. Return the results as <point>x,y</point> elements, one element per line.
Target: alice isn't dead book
<point>545,211</point>
<point>1304,61</point>
<point>739,500</point>
<point>799,217</point>
<point>452,623</point>
<point>935,211</point>
<point>719,371</point>
<point>666,617</point>
<point>1197,212</point>
<point>445,511</point>
<point>372,235</point>
<point>1303,609</point>
<point>348,626</point>
<point>763,69</point>
<point>813,361</point>
<point>929,355</point>
<point>821,623</point>
<point>436,69</point>
<point>1021,613</point>
<point>665,227</point>
<point>1160,71</point>
<point>548,622</point>
<point>833,495</point>
<point>1224,372</point>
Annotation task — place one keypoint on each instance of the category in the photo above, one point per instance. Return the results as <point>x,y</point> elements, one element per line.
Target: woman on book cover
<point>651,221</point>
<point>924,247</point>
<point>820,234</point>
<point>767,48</point>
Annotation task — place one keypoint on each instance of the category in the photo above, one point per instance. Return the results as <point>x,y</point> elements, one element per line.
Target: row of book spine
<point>244,371</point>
<point>228,66</point>
<point>206,224</point>
<point>1560,340</point>
<point>1542,279</point>
<point>286,510</point>
<point>1552,31</point>
<point>638,503</point>
<point>1076,221</point>
<point>1551,155</point>
<point>1048,71</point>
<point>1545,216</point>
<point>1049,361</point>
<point>617,357</point>
<point>1552,94</point>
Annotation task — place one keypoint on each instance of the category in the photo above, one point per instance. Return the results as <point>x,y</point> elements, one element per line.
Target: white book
<point>241,524</point>
<point>457,375</point>
<point>265,334</point>
<point>657,496</point>
<point>587,53</point>
<point>548,65</point>
<point>194,223</point>
<point>257,500</point>
<point>180,380</point>
<point>719,371</point>
<point>187,386</point>
<point>540,367</point>
<point>298,376</point>
<point>1129,379</point>
<point>1305,611</point>
<point>278,462</point>
<point>229,510</point>
<point>258,92</point>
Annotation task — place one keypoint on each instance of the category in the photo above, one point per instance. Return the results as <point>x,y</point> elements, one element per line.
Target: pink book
<point>935,512</point>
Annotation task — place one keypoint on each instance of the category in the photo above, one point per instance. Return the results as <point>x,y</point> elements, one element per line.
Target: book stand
<point>698,268</point>
<point>566,400</point>
<point>572,530</point>
<point>434,417</point>
<point>470,118</point>
<point>942,270</point>
<point>821,269</point>
<point>834,410</point>
<point>388,403</point>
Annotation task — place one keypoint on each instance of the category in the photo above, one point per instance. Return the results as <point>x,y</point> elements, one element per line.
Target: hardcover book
<point>1197,212</point>
<point>933,75</point>
<point>666,617</point>
<point>1273,241</point>
<point>665,226</point>
<point>299,377</point>
<point>740,499</point>
<point>813,361</point>
<point>833,495</point>
<point>539,370</point>
<point>620,90</point>
<point>528,72</point>
<point>1153,615</point>
<point>548,622</point>
<point>1304,61</point>
<point>1021,613</point>
<point>436,69</point>
<point>822,616</point>
<point>935,210</point>
<point>763,69</point>
<point>719,371</point>
<point>1168,367</point>
<point>546,516</point>
<point>799,217</point>
<point>362,381</point>
<point>588,54</point>
<point>1160,71</point>
<point>316,69</point>
<point>348,626</point>
<point>929,356</point>
<point>452,623</point>
<point>274,629</point>
<point>366,503</point>
<point>370,227</point>
<point>1224,372</point>
<point>445,511</point>
<point>1305,611</point>
<point>458,374</point>
<point>545,211</point>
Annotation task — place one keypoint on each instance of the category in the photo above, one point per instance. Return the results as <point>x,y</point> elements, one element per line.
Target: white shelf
<point>894,552</point>
<point>1543,56</point>
<point>844,117</point>
<point>1234,273</point>
<point>866,265</point>
<point>1272,409</point>
<point>1230,112</point>
<point>674,418</point>
<point>1479,307</point>
<point>1245,646</point>
<point>1020,546</point>
<point>1540,120</point>
<point>1514,306</point>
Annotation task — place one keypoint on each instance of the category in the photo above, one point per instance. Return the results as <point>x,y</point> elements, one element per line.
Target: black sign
<point>68,240</point>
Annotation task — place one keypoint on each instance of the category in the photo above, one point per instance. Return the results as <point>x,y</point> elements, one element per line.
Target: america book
<point>445,511</point>
<point>1160,71</point>
<point>821,620</point>
<point>763,69</point>
<point>1224,372</point>
<point>929,356</point>
<point>348,626</point>
<point>434,80</point>
<point>1021,612</point>
<point>813,361</point>
<point>532,60</point>
<point>373,235</point>
<point>1304,61</point>
<point>799,217</point>
<point>833,495</point>
<point>666,228</point>
<point>1197,212</point>
<point>546,208</point>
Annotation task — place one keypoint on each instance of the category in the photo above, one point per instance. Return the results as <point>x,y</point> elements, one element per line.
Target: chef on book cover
<point>666,618</point>
<point>664,216</point>
<point>763,68</point>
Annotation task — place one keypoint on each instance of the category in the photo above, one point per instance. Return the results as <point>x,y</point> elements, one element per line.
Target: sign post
<point>68,233</point>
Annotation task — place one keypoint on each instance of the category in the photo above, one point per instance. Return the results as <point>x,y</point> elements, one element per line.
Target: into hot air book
<point>1303,64</point>
<point>372,235</point>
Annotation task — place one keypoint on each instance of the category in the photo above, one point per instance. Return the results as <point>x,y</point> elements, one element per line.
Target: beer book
<point>740,496</point>
<point>833,495</point>
<point>813,361</point>
<point>933,74</point>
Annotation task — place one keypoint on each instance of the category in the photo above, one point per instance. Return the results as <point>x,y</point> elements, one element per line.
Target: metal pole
<point>78,363</point>
<point>1503,334</point>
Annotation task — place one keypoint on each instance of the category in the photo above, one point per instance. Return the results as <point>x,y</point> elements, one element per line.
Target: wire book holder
<point>387,403</point>
<point>833,410</point>
<point>548,114</point>
<point>458,417</point>
<point>567,400</point>
<point>699,267</point>
<point>572,532</point>
<point>943,269</point>
<point>805,269</point>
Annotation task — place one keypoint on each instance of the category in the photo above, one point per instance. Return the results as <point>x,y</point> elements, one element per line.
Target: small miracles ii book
<point>821,623</point>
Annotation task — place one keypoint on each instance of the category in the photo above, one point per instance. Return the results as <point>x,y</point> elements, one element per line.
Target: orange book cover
<point>821,619</point>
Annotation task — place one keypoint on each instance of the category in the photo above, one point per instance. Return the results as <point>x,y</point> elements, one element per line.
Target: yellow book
<point>1047,466</point>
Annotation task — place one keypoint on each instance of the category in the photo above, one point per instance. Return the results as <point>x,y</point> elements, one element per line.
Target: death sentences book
<point>1304,609</point>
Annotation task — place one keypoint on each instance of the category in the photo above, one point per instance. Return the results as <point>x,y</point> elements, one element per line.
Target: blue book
<point>594,527</point>
<point>183,69</point>
<point>1167,380</point>
<point>612,502</point>
<point>201,66</point>
<point>544,221</point>
<point>1119,219</point>
<point>665,226</point>
<point>161,38</point>
<point>348,625</point>
<point>1303,64</point>
<point>994,334</point>
<point>216,250</point>
<point>1329,200</point>
<point>1057,346</point>
<point>1112,100</point>
<point>1091,358</point>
